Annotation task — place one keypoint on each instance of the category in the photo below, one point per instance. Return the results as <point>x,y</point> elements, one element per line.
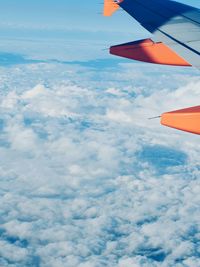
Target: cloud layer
<point>86,179</point>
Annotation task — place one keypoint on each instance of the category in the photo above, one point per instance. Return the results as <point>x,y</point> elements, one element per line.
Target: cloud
<point>85,179</point>
<point>36,91</point>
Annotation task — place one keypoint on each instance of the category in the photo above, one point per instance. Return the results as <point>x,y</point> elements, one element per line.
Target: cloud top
<point>86,180</point>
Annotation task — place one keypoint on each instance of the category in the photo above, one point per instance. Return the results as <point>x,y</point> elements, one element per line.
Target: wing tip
<point>110,6</point>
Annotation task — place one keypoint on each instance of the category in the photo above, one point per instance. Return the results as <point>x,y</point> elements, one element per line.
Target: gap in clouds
<point>163,158</point>
<point>11,59</point>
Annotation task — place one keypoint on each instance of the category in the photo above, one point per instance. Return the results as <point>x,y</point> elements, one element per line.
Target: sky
<point>86,180</point>
<point>79,25</point>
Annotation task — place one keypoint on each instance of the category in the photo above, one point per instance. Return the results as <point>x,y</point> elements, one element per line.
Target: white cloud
<point>36,91</point>
<point>86,179</point>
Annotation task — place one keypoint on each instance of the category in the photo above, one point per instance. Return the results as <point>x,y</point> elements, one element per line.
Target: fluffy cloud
<point>86,179</point>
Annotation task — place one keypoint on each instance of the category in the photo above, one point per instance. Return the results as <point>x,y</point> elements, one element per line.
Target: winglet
<point>110,6</point>
<point>185,119</point>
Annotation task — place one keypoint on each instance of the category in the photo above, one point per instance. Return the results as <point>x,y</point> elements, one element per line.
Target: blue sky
<point>67,24</point>
<point>80,15</point>
<point>78,25</point>
<point>86,180</point>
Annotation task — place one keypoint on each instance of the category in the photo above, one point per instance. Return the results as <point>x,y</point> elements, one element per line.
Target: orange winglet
<point>110,6</point>
<point>149,51</point>
<point>185,119</point>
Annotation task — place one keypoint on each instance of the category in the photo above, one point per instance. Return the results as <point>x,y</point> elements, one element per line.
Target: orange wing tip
<point>110,6</point>
<point>149,51</point>
<point>187,120</point>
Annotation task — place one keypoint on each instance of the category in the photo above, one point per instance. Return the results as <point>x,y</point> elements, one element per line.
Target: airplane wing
<point>174,24</point>
<point>175,28</point>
